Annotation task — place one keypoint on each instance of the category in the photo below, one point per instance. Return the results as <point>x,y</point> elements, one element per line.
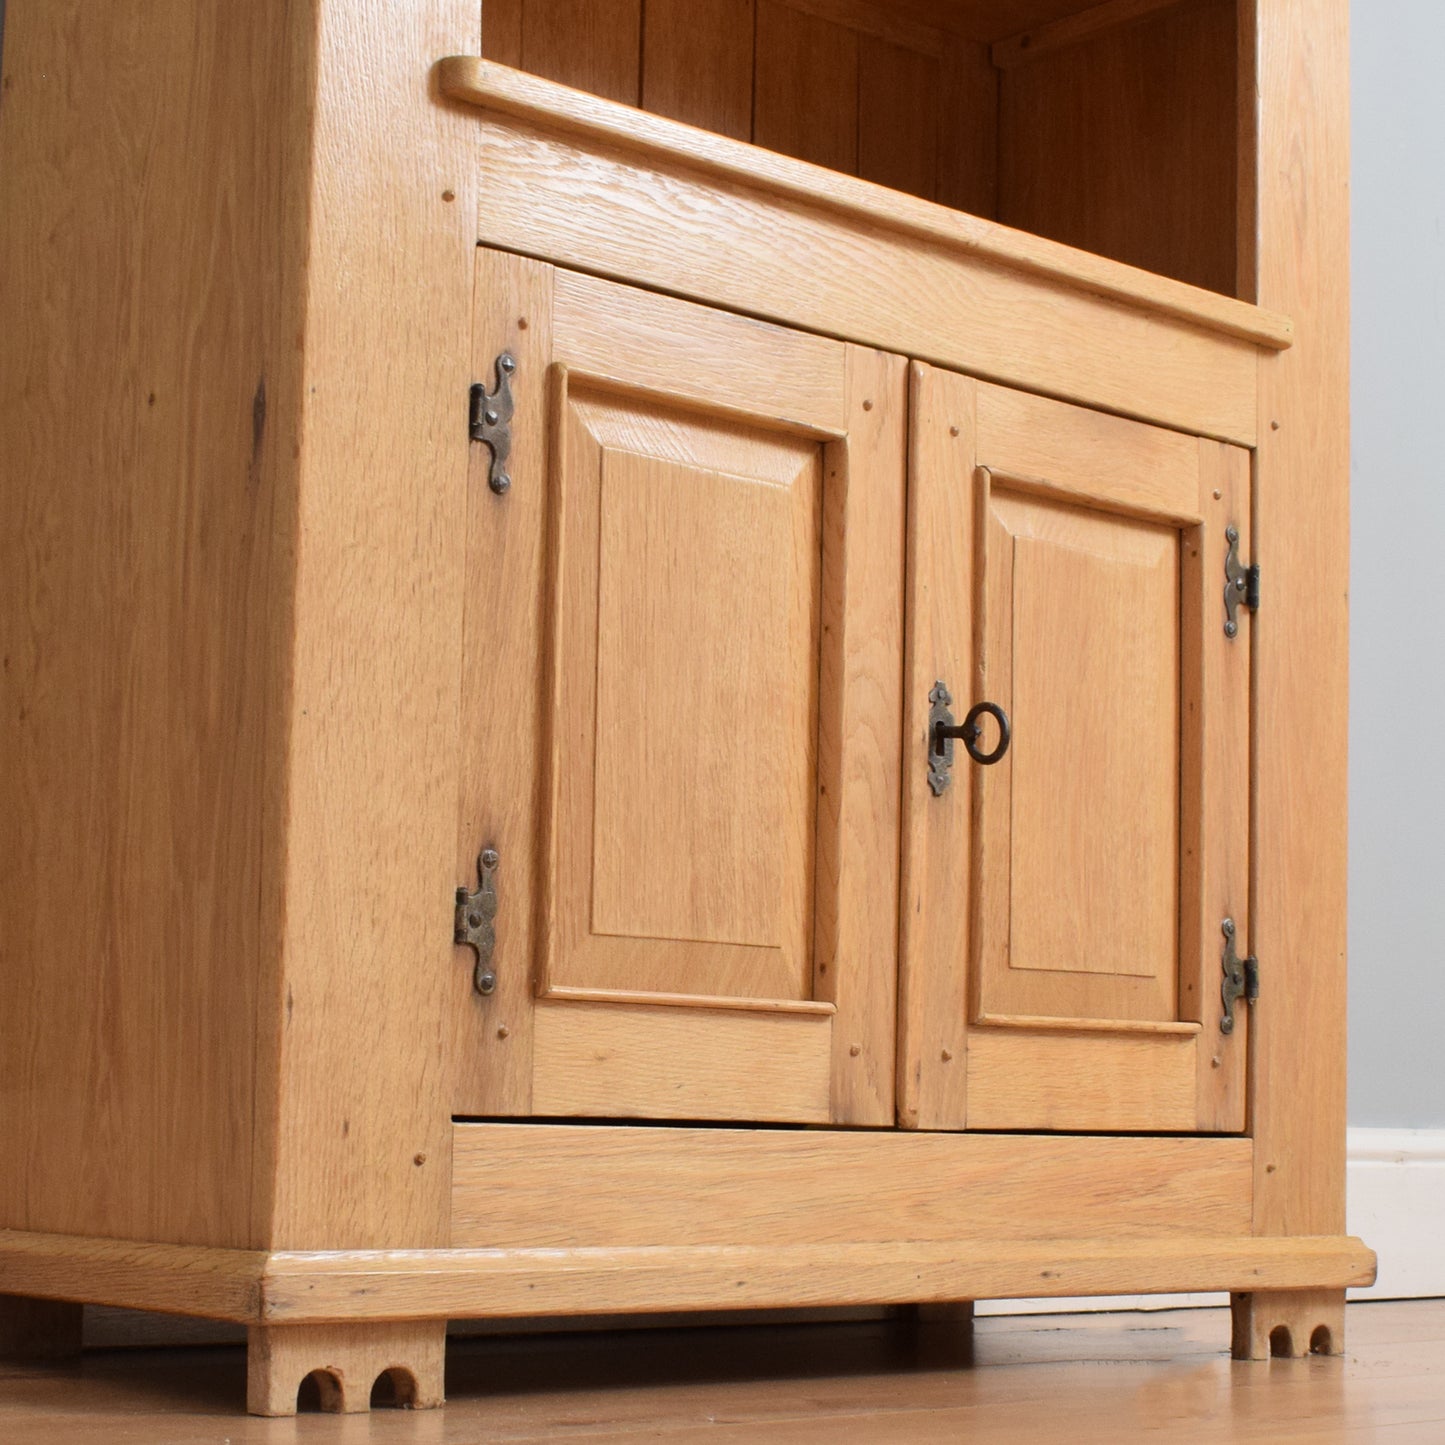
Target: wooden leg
<point>346,1361</point>
<point>38,1329</point>
<point>1288,1324</point>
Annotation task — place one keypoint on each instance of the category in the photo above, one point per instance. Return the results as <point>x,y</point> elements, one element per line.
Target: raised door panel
<point>687,617</point>
<point>1062,943</point>
<point>703,551</point>
<point>1077,839</point>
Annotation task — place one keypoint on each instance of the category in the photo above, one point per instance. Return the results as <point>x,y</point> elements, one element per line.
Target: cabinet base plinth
<point>403,1363</point>
<point>355,1287</point>
<point>1288,1324</point>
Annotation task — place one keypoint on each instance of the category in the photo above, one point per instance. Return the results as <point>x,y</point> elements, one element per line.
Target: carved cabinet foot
<point>344,1365</point>
<point>1288,1324</point>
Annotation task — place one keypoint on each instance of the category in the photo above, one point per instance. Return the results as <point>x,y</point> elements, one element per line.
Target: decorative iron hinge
<point>1241,584</point>
<point>1241,978</point>
<point>475,912</point>
<point>491,421</point>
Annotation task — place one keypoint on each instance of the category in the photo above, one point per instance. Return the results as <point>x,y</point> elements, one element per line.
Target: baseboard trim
<point>1394,1201</point>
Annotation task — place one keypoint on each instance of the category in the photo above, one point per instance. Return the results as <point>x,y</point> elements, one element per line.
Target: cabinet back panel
<point>863,88</point>
<point>1125,144</point>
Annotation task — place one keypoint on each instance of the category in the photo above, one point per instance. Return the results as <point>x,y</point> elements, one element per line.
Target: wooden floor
<point>1078,1379</point>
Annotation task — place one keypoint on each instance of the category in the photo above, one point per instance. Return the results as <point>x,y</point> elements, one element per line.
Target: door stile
<point>1216,784</point>
<point>503,715</point>
<point>936,892</point>
<point>864,635</point>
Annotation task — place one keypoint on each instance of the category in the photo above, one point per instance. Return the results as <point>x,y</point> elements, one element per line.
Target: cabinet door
<point>682,711</point>
<point>1063,936</point>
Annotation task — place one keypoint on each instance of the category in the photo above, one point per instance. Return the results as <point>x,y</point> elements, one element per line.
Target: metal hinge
<point>491,421</point>
<point>1241,978</point>
<point>475,912</point>
<point>1241,584</point>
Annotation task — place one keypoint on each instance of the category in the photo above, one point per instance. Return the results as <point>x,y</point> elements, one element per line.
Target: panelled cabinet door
<point>1065,903</point>
<point>702,551</point>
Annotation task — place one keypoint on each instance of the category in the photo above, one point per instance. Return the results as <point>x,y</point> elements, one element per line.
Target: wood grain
<point>503,92</point>
<point>1106,461</point>
<point>996,20</point>
<point>1080,25</point>
<point>659,229</point>
<point>1078,867</point>
<point>1290,1325</point>
<point>1126,144</point>
<point>348,1360</point>
<point>502,31</point>
<point>934,946</point>
<point>681,868</point>
<point>210,1283</point>
<point>314,1288</point>
<point>560,1186</point>
<point>1142,1083</point>
<point>1215,708</point>
<point>805,95</point>
<point>697,63</point>
<point>860,738</point>
<point>153,216</point>
<point>899,122</point>
<point>671,348</point>
<point>654,1062</point>
<point>352,1046</point>
<point>968,139</point>
<point>1301,529</point>
<point>317,1287</point>
<point>560,993</point>
<point>594,45</point>
<point>503,635</point>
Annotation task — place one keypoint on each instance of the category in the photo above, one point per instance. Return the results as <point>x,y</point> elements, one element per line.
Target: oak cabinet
<point>511,535</point>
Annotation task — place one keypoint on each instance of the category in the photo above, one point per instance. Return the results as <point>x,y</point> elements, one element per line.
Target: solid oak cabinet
<point>658,658</point>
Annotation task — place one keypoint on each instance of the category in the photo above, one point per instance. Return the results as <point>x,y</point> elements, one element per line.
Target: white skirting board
<point>1395,1187</point>
<point>1394,1201</point>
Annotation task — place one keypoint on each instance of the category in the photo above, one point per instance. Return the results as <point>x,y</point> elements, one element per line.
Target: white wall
<point>1397,585</point>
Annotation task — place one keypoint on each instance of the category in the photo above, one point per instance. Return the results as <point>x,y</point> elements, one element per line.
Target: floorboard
<point>1078,1379</point>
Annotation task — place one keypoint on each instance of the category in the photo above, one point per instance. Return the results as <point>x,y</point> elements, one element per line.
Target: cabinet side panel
<point>152,228</point>
<point>1301,634</point>
<point>363,1155</point>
